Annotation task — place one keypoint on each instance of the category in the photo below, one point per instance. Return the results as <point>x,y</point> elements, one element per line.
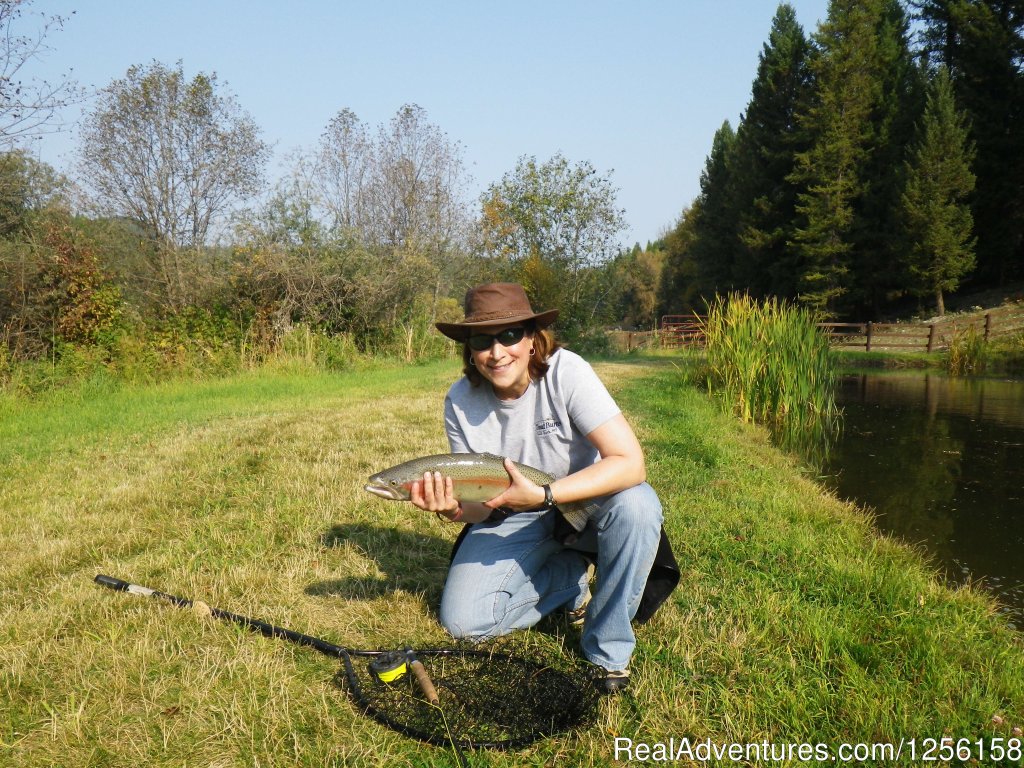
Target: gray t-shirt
<point>545,428</point>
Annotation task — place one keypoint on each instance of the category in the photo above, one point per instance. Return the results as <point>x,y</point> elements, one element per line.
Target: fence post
<point>931,336</point>
<point>988,324</point>
<point>868,349</point>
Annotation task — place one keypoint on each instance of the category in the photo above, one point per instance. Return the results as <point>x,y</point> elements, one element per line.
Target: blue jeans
<point>508,575</point>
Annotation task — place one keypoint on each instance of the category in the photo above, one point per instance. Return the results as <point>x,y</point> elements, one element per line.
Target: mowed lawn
<point>794,622</point>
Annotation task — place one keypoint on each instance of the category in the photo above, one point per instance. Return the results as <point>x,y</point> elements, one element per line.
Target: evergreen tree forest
<point>879,164</point>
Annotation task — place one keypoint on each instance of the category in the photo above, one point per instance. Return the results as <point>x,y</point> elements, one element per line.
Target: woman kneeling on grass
<point>524,398</point>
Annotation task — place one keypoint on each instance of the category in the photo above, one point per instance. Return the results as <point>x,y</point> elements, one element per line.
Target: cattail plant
<point>966,353</point>
<point>772,365</point>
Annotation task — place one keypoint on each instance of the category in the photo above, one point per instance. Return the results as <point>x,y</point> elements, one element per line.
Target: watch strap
<point>549,500</point>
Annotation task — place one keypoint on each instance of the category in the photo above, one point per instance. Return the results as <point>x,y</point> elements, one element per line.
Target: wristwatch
<point>549,500</point>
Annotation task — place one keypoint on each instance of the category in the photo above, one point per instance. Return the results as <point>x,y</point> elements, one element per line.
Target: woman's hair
<point>544,345</point>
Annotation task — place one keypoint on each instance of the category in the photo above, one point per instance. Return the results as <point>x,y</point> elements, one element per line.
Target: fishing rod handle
<point>110,581</point>
<point>120,585</point>
<point>426,684</point>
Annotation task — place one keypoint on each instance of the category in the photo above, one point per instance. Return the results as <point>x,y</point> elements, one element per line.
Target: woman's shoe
<point>577,616</point>
<point>610,681</point>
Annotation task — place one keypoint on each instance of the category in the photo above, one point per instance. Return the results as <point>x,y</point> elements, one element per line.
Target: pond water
<point>941,462</point>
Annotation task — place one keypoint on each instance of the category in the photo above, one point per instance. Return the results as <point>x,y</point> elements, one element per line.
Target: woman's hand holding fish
<point>435,493</point>
<point>522,494</point>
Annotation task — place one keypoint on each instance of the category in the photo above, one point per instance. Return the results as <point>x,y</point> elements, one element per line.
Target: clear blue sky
<point>636,88</point>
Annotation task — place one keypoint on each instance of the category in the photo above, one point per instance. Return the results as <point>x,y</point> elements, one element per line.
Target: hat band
<point>485,316</point>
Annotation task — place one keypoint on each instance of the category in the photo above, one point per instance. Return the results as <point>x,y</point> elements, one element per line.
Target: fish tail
<point>576,515</point>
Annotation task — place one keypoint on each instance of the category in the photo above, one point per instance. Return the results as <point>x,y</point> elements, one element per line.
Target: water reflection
<point>941,460</point>
<point>812,442</point>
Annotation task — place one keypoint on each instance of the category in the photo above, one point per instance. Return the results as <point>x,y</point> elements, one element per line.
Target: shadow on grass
<point>410,562</point>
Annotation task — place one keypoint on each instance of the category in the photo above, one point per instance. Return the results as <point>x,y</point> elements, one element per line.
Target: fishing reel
<point>390,666</point>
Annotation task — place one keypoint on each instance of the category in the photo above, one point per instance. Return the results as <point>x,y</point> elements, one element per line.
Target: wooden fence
<point>685,331</point>
<point>627,341</point>
<point>871,335</point>
<point>924,337</point>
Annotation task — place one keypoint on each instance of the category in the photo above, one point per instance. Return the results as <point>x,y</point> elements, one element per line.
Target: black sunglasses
<point>478,342</point>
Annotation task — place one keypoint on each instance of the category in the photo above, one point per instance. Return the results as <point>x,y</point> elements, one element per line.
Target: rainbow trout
<point>475,477</point>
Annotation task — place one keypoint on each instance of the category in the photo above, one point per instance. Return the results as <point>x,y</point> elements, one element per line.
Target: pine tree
<point>839,124</point>
<point>713,218</point>
<point>767,142</point>
<point>879,229</point>
<point>859,123</point>
<point>939,180</point>
<point>982,44</point>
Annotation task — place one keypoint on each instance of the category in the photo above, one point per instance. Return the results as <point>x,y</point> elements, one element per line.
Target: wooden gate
<point>682,331</point>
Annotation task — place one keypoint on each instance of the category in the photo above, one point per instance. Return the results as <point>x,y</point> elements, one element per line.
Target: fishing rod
<point>469,698</point>
<point>390,666</point>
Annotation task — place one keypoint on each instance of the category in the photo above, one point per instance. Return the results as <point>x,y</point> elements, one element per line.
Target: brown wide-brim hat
<point>495,304</point>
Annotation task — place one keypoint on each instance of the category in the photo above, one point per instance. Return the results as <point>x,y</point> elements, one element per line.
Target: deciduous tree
<point>26,186</point>
<point>342,171</point>
<point>173,154</point>
<point>636,280</point>
<point>554,223</point>
<point>400,192</point>
<point>32,195</point>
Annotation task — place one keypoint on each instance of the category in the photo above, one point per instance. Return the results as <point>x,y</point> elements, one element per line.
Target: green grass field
<point>794,621</point>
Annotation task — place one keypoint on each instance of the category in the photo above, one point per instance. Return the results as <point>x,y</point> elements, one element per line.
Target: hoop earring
<point>532,350</point>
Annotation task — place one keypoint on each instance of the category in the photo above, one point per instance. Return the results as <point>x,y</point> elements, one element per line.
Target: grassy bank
<point>853,359</point>
<point>794,621</point>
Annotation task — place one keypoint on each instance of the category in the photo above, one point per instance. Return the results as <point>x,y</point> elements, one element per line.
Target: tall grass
<point>138,357</point>
<point>773,367</point>
<point>966,355</point>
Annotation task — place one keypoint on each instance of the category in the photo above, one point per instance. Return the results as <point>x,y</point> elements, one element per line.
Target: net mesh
<point>485,699</point>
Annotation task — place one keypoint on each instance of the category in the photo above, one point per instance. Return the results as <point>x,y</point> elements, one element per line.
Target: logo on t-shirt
<point>548,426</point>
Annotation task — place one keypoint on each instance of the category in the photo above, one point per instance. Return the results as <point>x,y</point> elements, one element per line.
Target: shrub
<point>85,303</point>
<point>306,348</point>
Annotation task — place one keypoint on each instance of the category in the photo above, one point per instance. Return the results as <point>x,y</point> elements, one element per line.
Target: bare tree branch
<point>28,104</point>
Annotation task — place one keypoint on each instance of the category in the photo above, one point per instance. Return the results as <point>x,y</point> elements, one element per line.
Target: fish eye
<point>394,482</point>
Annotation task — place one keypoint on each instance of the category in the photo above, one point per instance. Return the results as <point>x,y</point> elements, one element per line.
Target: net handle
<point>423,679</point>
